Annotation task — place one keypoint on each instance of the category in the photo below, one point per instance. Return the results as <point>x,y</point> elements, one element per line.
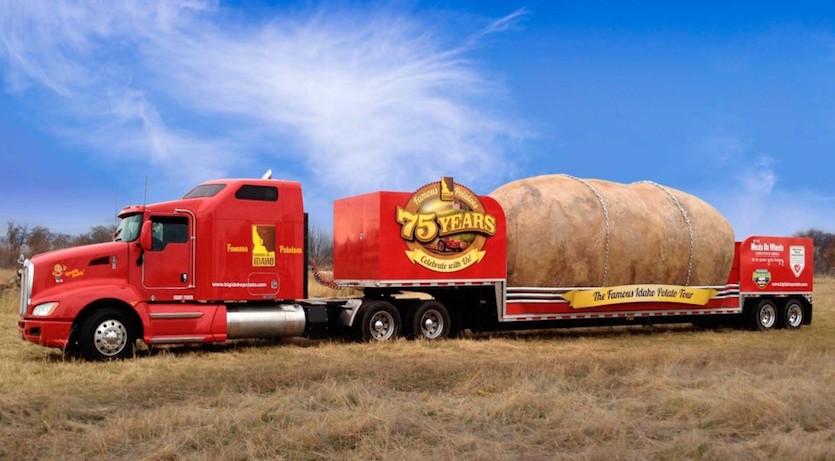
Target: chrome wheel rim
<point>767,316</point>
<point>794,315</point>
<point>382,326</point>
<point>110,337</point>
<point>431,324</point>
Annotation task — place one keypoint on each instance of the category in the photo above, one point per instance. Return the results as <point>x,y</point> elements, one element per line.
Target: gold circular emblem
<point>445,226</point>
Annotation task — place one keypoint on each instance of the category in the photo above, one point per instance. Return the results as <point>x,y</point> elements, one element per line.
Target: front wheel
<point>431,321</point>
<point>380,322</point>
<point>764,315</point>
<point>108,334</point>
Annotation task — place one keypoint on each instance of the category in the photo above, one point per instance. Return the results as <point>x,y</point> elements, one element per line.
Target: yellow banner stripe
<point>418,256</point>
<point>580,299</point>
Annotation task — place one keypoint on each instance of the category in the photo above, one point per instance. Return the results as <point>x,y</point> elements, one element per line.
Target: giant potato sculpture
<point>568,232</point>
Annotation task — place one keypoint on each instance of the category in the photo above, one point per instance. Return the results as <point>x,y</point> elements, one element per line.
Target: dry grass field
<point>622,393</point>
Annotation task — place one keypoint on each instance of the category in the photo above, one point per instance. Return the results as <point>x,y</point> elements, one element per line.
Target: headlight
<point>45,309</point>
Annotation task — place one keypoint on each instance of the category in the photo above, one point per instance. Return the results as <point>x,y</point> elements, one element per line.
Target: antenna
<point>145,197</point>
<point>268,174</point>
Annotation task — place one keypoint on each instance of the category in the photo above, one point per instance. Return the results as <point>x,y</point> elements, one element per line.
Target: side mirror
<point>145,238</point>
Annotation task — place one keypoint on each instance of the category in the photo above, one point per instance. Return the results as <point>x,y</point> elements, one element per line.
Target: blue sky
<point>732,103</point>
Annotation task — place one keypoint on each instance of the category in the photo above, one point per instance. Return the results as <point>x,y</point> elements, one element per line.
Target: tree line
<point>824,250</point>
<point>20,238</point>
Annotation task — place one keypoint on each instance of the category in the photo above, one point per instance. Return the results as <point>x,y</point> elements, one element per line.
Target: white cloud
<point>746,187</point>
<point>759,177</point>
<point>363,100</point>
<point>751,188</point>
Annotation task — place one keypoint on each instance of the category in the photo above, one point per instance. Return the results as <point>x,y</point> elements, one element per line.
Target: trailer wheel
<point>791,316</point>
<point>108,334</point>
<point>764,315</point>
<point>431,321</point>
<point>380,322</point>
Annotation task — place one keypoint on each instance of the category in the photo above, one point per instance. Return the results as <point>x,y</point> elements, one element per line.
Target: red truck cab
<point>171,267</point>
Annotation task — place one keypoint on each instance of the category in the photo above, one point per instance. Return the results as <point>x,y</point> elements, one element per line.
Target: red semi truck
<point>229,260</point>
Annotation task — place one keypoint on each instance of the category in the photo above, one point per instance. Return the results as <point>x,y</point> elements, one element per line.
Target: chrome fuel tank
<point>285,320</point>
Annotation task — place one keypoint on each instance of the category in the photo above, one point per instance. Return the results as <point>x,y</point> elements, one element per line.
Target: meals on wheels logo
<point>445,226</point>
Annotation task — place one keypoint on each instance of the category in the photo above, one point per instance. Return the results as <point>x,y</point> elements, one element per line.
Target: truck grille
<point>27,274</point>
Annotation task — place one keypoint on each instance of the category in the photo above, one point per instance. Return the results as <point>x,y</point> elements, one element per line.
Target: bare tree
<point>96,234</point>
<point>61,241</point>
<point>829,259</point>
<point>824,253</point>
<point>16,235</point>
<point>320,246</point>
<point>40,240</point>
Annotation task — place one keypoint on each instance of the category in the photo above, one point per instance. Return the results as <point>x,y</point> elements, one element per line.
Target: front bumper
<point>49,333</point>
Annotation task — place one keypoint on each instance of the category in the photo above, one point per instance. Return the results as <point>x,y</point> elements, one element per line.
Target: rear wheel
<point>791,316</point>
<point>107,335</point>
<point>380,322</point>
<point>764,315</point>
<point>431,321</point>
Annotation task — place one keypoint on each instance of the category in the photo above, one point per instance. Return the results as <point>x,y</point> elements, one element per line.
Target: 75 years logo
<point>445,226</point>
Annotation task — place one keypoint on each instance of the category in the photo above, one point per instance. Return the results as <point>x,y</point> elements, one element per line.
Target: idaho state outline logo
<point>445,226</point>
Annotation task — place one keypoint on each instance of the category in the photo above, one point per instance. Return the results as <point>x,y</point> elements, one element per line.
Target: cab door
<point>168,267</point>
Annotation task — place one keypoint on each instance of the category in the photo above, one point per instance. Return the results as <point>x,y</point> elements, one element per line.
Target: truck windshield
<point>129,228</point>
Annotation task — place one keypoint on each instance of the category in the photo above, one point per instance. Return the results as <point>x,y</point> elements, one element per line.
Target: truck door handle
<point>183,277</point>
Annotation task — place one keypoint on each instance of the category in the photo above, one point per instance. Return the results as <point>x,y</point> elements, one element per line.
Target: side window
<point>263,193</point>
<point>166,230</point>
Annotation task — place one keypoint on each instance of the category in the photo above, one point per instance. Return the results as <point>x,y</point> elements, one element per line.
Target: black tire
<point>431,321</point>
<point>764,315</point>
<point>791,315</point>
<point>108,334</point>
<point>380,322</point>
<point>441,246</point>
<point>71,349</point>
